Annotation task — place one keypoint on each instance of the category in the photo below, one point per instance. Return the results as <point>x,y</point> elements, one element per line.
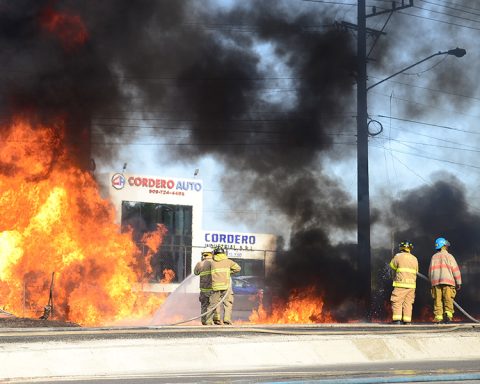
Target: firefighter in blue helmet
<point>446,280</point>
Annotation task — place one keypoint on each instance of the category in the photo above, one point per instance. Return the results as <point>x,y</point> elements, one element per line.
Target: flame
<point>302,307</point>
<point>54,220</point>
<point>168,276</point>
<point>152,242</point>
<point>68,28</point>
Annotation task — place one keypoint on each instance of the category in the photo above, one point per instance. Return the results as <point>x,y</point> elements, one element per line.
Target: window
<point>175,252</point>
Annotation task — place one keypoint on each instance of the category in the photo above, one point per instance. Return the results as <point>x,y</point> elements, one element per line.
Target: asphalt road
<point>65,334</point>
<point>402,372</point>
<point>452,369</point>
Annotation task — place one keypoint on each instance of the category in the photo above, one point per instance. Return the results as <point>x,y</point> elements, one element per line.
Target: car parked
<point>247,285</point>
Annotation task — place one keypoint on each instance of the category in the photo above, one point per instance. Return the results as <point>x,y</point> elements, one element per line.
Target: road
<point>400,372</point>
<point>242,354</point>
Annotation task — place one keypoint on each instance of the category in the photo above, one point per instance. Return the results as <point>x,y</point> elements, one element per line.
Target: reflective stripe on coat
<point>204,270</point>
<point>405,266</point>
<point>444,269</point>
<point>222,268</point>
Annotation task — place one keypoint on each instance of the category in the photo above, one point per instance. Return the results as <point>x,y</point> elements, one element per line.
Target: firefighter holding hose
<point>222,268</point>
<point>405,267</point>
<point>204,269</point>
<point>446,280</point>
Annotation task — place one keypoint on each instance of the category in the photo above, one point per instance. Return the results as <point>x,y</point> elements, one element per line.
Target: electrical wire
<point>430,158</point>
<point>452,8</point>
<point>430,124</point>
<point>439,21</point>
<point>433,145</point>
<point>328,2</point>
<point>447,14</point>
<point>410,85</point>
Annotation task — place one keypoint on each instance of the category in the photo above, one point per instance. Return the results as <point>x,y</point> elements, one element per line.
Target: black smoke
<point>212,71</point>
<point>266,88</point>
<point>442,209</point>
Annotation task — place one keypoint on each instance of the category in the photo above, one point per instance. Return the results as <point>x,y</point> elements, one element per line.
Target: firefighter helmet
<point>218,250</point>
<point>441,242</point>
<point>405,245</point>
<point>207,250</point>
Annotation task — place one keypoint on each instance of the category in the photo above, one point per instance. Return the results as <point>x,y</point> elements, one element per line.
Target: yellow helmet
<point>405,246</point>
<point>207,251</point>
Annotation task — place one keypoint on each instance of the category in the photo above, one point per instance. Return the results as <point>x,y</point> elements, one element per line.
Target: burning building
<point>265,94</point>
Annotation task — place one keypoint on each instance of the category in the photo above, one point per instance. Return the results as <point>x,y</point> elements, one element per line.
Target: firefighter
<point>204,269</point>
<point>446,280</point>
<point>405,268</point>
<point>222,268</point>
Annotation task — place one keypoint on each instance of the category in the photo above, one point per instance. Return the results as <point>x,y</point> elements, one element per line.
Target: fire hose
<point>209,311</point>
<point>454,302</point>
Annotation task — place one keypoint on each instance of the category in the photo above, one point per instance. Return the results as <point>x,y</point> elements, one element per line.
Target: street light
<point>363,193</point>
<point>457,52</point>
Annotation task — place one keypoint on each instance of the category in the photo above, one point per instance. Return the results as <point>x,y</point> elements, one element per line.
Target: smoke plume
<point>264,87</point>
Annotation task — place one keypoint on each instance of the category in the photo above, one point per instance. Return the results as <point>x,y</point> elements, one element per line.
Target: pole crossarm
<point>456,52</point>
<point>394,8</point>
<point>354,27</point>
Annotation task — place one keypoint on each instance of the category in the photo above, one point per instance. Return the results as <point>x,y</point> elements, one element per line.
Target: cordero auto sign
<point>155,185</point>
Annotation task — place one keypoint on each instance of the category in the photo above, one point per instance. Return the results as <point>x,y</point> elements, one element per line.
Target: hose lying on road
<point>209,311</point>
<point>454,302</point>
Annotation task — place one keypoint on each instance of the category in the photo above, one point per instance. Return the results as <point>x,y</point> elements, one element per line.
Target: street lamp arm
<point>458,52</point>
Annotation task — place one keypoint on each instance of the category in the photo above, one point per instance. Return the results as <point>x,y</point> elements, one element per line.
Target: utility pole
<point>363,189</point>
<point>363,193</point>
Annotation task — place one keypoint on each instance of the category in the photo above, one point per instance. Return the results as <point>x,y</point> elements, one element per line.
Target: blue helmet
<point>441,242</point>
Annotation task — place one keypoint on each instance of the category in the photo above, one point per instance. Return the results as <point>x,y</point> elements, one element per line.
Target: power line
<point>430,124</point>
<point>429,157</point>
<point>429,89</point>
<point>213,144</point>
<point>443,140</point>
<point>439,21</point>
<point>329,2</point>
<point>417,174</point>
<point>477,150</point>
<point>453,8</point>
<point>447,14</point>
<point>406,166</point>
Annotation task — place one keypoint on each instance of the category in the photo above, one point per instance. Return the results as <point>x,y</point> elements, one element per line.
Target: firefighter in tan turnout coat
<point>446,280</point>
<point>222,268</point>
<point>405,268</point>
<point>204,270</point>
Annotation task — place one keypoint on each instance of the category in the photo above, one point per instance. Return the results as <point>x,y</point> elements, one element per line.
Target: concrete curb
<point>147,356</point>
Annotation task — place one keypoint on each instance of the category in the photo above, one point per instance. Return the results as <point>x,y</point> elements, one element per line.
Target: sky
<point>427,114</point>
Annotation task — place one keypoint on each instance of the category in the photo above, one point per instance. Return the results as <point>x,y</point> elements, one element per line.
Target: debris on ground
<point>23,322</point>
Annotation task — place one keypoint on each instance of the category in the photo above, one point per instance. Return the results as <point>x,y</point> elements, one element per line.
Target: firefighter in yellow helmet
<point>204,269</point>
<point>405,268</point>
<point>222,268</point>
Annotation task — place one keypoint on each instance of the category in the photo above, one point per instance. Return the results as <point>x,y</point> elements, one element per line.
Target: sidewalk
<point>35,353</point>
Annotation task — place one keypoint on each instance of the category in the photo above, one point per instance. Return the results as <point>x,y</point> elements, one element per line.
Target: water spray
<point>209,311</point>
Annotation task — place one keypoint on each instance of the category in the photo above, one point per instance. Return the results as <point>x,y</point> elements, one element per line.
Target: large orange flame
<point>302,307</point>
<point>54,220</point>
